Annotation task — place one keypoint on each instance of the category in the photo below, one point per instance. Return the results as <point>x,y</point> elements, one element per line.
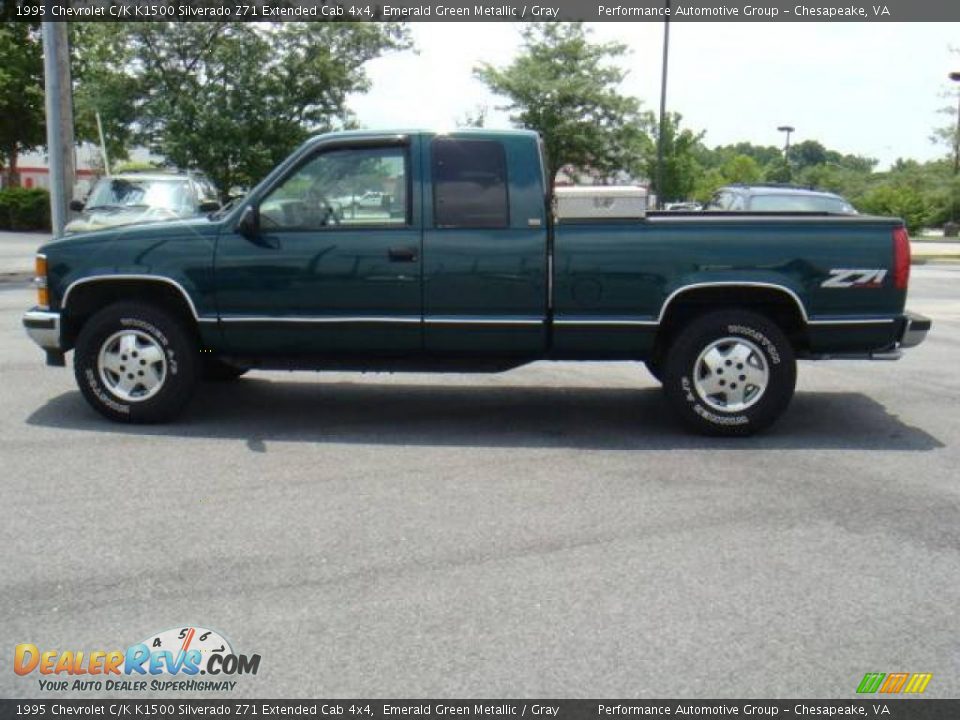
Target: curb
<point>935,260</point>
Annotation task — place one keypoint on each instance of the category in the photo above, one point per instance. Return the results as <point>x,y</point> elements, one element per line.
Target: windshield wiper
<point>134,206</point>
<point>104,207</point>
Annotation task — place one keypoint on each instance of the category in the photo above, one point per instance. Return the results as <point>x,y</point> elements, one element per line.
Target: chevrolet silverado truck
<point>464,265</point>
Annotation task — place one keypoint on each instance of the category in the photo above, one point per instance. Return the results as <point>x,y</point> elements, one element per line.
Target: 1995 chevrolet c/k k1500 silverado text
<point>463,265</point>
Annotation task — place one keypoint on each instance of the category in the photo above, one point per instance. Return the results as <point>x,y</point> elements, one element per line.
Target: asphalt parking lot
<point>546,532</point>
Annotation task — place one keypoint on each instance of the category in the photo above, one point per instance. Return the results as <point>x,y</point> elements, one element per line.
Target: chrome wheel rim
<point>731,374</point>
<point>132,365</point>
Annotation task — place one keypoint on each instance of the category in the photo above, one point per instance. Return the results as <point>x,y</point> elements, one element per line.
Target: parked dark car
<point>778,198</point>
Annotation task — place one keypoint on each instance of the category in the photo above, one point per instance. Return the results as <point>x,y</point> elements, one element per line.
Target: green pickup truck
<point>463,265</point>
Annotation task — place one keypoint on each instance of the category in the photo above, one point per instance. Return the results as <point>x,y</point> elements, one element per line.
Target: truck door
<point>484,245</point>
<point>335,266</point>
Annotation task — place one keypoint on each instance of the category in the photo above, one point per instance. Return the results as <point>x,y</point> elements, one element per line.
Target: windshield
<point>123,192</point>
<point>801,203</point>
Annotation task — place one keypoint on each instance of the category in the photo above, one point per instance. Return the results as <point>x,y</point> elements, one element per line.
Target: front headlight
<point>40,282</point>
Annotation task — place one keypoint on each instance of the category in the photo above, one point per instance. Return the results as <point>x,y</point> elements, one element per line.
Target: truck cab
<point>457,244</point>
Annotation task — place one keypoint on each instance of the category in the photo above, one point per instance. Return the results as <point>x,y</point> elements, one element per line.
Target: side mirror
<point>209,206</point>
<point>76,205</point>
<point>248,224</point>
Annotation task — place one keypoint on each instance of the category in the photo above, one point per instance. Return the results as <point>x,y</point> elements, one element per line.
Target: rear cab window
<point>469,183</point>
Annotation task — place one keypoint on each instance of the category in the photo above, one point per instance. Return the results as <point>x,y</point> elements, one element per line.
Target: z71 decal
<point>862,277</point>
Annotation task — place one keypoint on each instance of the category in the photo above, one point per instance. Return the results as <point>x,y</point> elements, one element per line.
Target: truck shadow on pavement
<point>258,411</point>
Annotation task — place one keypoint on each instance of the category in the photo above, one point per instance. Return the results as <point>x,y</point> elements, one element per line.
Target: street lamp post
<point>955,76</point>
<point>663,103</point>
<point>786,145</point>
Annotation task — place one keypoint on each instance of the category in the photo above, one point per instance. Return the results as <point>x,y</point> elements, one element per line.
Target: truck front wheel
<point>135,363</point>
<point>730,372</point>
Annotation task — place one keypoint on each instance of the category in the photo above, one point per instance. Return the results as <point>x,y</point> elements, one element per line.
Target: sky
<point>867,88</point>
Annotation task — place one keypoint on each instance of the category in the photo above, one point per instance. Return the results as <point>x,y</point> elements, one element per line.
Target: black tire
<point>655,362</point>
<point>213,369</point>
<point>160,332</point>
<point>653,367</point>
<point>688,379</point>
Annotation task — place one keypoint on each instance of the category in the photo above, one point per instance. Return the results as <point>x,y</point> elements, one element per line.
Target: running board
<point>888,355</point>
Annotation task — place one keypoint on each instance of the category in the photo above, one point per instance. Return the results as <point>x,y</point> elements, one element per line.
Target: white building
<point>34,168</point>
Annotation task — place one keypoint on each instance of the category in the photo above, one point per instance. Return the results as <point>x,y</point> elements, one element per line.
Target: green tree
<point>735,169</point>
<point>949,133</point>
<point>762,154</point>
<point>741,169</point>
<point>707,183</point>
<point>98,59</point>
<point>22,125</point>
<point>807,154</point>
<point>856,163</point>
<point>566,87</point>
<point>680,166</point>
<point>944,202</point>
<point>897,200</point>
<point>231,99</point>
<point>476,118</point>
<point>779,171</point>
<point>835,178</point>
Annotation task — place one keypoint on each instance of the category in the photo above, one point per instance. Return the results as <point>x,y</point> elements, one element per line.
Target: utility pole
<point>663,102</point>
<point>950,229</point>
<point>58,98</point>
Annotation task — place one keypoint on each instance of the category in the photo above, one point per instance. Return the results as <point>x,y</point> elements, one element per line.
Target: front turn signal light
<point>40,281</point>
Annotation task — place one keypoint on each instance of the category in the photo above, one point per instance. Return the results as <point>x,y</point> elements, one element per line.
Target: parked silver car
<point>130,198</point>
<point>779,199</point>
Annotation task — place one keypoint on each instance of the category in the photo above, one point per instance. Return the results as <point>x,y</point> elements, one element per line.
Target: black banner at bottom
<point>899,709</point>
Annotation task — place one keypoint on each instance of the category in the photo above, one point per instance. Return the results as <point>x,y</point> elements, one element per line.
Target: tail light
<point>901,258</point>
<point>40,281</point>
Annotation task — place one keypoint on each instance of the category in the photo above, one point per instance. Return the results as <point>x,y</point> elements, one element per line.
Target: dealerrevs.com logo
<point>173,660</point>
<point>893,683</point>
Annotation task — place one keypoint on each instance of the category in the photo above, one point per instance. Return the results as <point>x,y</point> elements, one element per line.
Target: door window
<point>342,188</point>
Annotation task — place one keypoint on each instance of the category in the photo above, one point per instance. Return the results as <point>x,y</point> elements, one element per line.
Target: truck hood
<point>143,231</point>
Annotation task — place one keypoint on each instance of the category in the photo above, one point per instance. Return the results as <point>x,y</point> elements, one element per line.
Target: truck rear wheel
<point>730,372</point>
<point>135,363</point>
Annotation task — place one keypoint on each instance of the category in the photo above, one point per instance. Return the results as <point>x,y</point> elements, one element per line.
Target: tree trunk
<point>11,178</point>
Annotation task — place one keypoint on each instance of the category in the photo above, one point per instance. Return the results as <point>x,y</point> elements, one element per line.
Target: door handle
<point>402,254</point>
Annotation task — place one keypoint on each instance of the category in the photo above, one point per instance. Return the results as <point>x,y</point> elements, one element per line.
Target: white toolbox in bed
<point>600,201</point>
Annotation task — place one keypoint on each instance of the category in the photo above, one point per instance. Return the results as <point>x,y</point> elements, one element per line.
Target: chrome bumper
<point>915,329</point>
<point>43,327</point>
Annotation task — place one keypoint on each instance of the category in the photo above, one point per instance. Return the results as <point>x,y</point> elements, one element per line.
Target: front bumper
<point>914,330</point>
<point>43,327</point>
